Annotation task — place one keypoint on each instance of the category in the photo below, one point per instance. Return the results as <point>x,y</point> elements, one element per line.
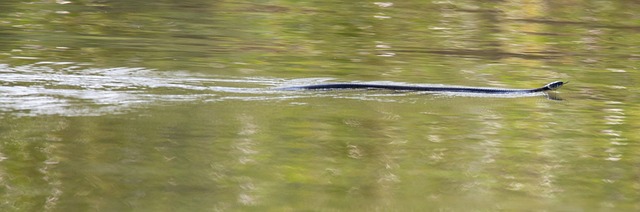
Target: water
<point>172,106</point>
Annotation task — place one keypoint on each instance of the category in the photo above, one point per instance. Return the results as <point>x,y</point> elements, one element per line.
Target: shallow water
<point>165,106</point>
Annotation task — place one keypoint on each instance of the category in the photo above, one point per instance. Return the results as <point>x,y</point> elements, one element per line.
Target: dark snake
<point>548,87</point>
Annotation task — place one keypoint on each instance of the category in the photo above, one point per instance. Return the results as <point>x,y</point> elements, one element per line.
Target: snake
<point>457,89</point>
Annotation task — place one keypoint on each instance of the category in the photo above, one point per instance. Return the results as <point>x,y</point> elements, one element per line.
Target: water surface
<point>172,106</point>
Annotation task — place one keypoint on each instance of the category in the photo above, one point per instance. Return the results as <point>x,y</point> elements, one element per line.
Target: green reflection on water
<point>196,127</point>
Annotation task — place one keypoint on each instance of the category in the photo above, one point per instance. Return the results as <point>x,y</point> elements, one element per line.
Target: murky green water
<point>170,106</point>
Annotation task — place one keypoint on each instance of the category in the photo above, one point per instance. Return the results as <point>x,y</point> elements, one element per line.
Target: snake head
<point>555,85</point>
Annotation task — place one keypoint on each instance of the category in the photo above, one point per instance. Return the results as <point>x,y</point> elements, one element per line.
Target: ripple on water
<point>68,89</point>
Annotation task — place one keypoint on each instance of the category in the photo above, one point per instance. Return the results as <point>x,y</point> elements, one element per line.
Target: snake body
<point>548,87</point>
